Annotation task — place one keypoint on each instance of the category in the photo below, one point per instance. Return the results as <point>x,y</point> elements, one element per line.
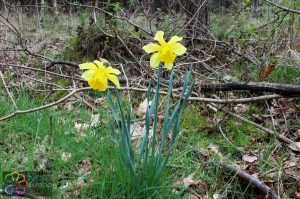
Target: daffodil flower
<point>98,75</point>
<point>165,52</point>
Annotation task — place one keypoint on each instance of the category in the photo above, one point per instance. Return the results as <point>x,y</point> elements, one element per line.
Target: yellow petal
<point>88,74</point>
<point>114,80</point>
<point>169,66</point>
<point>178,48</point>
<point>154,60</point>
<point>111,70</point>
<point>159,36</point>
<point>99,64</point>
<point>150,48</point>
<point>97,85</point>
<point>174,40</point>
<point>90,66</point>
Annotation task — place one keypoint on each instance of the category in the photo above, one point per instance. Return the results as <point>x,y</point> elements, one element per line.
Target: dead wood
<point>269,193</point>
<point>283,89</point>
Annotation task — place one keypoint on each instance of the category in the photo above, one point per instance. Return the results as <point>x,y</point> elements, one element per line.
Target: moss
<point>62,82</point>
<point>192,120</point>
<point>195,127</point>
<point>198,129</point>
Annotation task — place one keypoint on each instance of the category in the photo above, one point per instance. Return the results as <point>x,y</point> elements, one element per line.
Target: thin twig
<point>8,93</point>
<point>283,8</point>
<point>45,106</point>
<point>129,51</point>
<point>279,136</point>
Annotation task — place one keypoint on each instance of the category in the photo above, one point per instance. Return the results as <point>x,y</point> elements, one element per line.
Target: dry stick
<point>283,168</point>
<point>279,136</point>
<point>200,99</point>
<point>129,51</point>
<point>242,174</point>
<point>39,70</point>
<point>284,89</point>
<point>134,57</point>
<point>45,106</point>
<point>194,15</point>
<point>127,83</point>
<point>73,91</point>
<point>283,8</point>
<point>86,102</point>
<point>253,181</point>
<point>63,62</point>
<point>8,93</point>
<point>228,101</point>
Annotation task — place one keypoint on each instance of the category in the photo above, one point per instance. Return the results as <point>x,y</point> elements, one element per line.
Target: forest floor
<point>71,140</point>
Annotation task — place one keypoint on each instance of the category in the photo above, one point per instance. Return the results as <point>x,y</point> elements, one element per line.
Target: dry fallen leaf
<point>295,147</point>
<point>65,156</point>
<point>84,167</point>
<point>240,108</point>
<point>190,196</point>
<point>282,107</point>
<point>249,158</point>
<point>266,71</point>
<point>95,120</point>
<point>215,149</point>
<point>99,100</point>
<point>216,196</point>
<point>188,180</point>
<point>138,130</point>
<point>142,108</point>
<point>81,128</point>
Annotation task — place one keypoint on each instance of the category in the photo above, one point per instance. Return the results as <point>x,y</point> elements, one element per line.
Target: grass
<point>86,163</point>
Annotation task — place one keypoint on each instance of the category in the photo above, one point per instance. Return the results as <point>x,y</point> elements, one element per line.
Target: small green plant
<point>145,167</point>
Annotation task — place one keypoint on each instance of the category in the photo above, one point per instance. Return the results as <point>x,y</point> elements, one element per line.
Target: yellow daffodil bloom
<point>165,52</point>
<point>98,75</point>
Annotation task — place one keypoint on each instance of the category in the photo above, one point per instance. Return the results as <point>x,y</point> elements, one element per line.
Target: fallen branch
<point>54,62</point>
<point>269,193</point>
<point>196,99</point>
<point>43,107</point>
<point>283,89</point>
<point>290,90</point>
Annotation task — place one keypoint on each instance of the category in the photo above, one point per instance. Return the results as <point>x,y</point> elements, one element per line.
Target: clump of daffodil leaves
<point>165,52</point>
<point>143,167</point>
